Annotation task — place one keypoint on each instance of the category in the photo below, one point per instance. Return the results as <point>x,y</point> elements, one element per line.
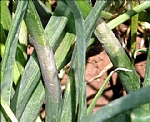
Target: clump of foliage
<point>27,81</point>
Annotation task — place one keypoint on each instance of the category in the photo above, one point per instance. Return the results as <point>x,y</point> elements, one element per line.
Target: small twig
<point>109,66</point>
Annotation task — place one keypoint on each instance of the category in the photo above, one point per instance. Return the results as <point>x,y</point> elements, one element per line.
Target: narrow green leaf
<point>69,100</point>
<point>147,71</point>
<point>140,115</point>
<point>16,74</point>
<point>47,63</point>
<point>63,10</point>
<point>72,86</point>
<point>47,4</point>
<point>34,24</point>
<point>122,117</point>
<point>5,16</point>
<point>80,62</point>
<point>55,25</point>
<point>33,106</point>
<point>44,12</point>
<point>143,16</point>
<point>85,8</point>
<point>90,21</point>
<point>92,105</point>
<point>21,55</point>
<point>120,105</point>
<point>10,51</point>
<point>8,60</point>
<point>2,42</point>
<point>134,25</point>
<point>26,86</point>
<point>122,18</point>
<point>7,109</point>
<point>32,70</point>
<point>4,117</point>
<point>60,50</point>
<point>22,47</point>
<point>117,55</point>
<point>147,76</point>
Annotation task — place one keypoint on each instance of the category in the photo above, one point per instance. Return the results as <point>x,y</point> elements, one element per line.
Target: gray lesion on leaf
<point>48,68</point>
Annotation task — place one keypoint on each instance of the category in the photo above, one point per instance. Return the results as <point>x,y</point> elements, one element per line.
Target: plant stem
<point>147,76</point>
<point>134,25</point>
<point>122,18</point>
<point>47,63</point>
<point>117,55</point>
